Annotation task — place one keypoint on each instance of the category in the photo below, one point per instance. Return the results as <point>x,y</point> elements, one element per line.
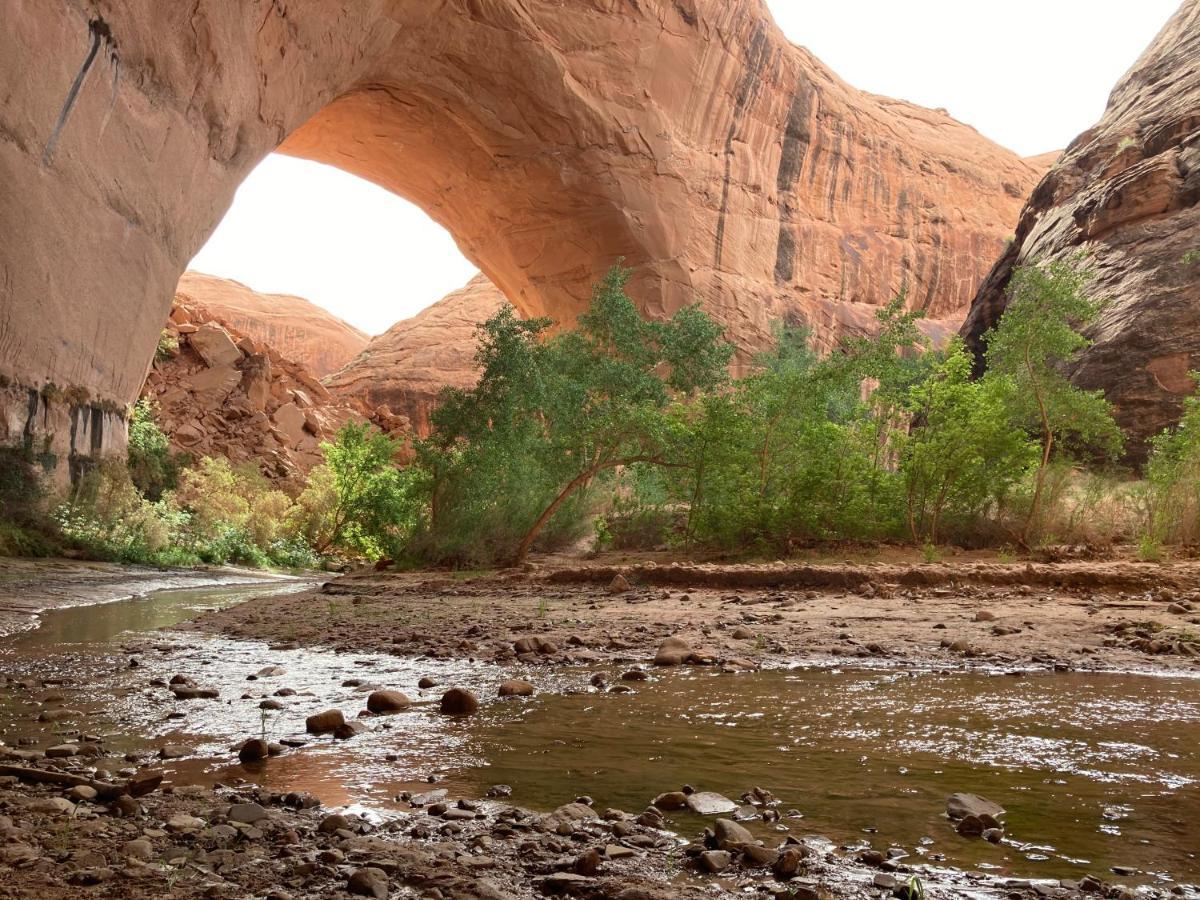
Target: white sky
<point>1030,74</point>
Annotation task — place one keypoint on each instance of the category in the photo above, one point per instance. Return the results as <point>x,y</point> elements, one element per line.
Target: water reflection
<point>1096,771</point>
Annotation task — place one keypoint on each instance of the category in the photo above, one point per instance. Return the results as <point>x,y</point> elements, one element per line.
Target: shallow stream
<point>1099,773</point>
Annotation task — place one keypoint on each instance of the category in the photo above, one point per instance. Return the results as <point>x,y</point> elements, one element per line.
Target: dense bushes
<point>885,438</point>
<point>1172,492</point>
<point>152,466</point>
<point>629,433</point>
<point>23,530</point>
<point>522,457</point>
<point>358,501</point>
<point>354,504</point>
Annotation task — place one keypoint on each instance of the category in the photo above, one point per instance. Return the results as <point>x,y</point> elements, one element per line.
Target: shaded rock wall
<point>295,327</point>
<point>727,165</point>
<point>1125,194</point>
<point>401,372</point>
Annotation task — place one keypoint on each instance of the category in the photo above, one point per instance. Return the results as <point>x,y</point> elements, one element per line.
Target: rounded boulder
<point>459,702</point>
<point>387,702</point>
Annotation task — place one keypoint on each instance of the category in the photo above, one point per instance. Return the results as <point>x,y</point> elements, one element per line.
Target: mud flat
<point>1123,616</point>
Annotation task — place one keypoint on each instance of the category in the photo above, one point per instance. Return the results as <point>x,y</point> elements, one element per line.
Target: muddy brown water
<point>1100,773</point>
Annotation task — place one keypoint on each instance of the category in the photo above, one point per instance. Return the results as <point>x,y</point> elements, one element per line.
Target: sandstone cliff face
<point>293,326</point>
<point>1125,194</point>
<point>401,372</point>
<point>223,393</point>
<point>688,136</point>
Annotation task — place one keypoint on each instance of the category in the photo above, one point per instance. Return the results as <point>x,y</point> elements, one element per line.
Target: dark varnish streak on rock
<point>796,139</point>
<point>747,90</point>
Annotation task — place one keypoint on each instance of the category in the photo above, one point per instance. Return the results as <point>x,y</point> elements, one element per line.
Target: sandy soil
<point>1082,615</point>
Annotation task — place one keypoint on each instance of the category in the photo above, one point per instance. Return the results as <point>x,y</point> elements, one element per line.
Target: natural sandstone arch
<point>550,137</point>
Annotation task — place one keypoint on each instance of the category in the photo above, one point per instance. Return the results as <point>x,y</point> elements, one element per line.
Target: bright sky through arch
<point>1029,74</point>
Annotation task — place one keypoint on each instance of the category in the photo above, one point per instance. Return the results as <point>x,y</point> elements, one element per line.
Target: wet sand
<point>1122,616</point>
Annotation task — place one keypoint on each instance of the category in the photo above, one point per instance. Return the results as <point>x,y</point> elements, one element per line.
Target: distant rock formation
<point>726,165</point>
<point>223,393</point>
<point>1125,194</point>
<point>295,327</point>
<point>401,372</point>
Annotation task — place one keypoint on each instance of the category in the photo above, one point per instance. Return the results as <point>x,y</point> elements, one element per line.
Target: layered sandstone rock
<point>402,371</point>
<point>1125,195</point>
<point>222,393</point>
<point>725,164</point>
<point>295,327</point>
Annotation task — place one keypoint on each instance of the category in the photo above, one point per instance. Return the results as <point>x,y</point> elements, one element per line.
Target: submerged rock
<point>707,803</point>
<point>674,651</point>
<point>515,687</point>
<point>253,750</point>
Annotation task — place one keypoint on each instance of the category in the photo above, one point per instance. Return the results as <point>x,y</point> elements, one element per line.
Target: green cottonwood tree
<point>550,414</point>
<point>1030,345</point>
<point>358,500</point>
<point>963,451</point>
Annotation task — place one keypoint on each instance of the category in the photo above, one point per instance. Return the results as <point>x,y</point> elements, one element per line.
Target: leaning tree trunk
<point>579,481</point>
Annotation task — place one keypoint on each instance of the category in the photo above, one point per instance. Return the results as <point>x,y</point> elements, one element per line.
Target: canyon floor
<point>575,634</point>
<point>977,610</point>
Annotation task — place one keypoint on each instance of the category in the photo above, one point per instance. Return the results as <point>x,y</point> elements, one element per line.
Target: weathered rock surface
<point>298,329</point>
<point>223,393</point>
<point>959,806</point>
<point>1125,194</point>
<point>404,369</point>
<point>725,164</point>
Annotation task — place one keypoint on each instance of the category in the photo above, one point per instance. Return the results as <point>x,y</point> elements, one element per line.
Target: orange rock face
<point>726,165</point>
<point>223,393</point>
<point>293,326</point>
<point>1125,194</point>
<point>402,371</point>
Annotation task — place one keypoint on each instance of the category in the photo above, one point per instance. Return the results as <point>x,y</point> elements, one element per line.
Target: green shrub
<point>168,346</point>
<point>964,456</point>
<point>22,497</point>
<point>234,515</point>
<point>642,515</point>
<point>16,540</point>
<point>358,501</point>
<point>1173,480</point>
<point>801,449</point>
<point>107,518</point>
<point>293,553</point>
<point>154,468</point>
<point>519,459</point>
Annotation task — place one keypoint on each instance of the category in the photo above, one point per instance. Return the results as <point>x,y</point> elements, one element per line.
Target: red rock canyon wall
<point>688,136</point>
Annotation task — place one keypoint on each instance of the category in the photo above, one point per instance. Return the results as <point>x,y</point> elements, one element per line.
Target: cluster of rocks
<point>297,328</point>
<point>587,616</point>
<point>976,816</point>
<point>73,822</point>
<point>1158,638</point>
<point>222,393</point>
